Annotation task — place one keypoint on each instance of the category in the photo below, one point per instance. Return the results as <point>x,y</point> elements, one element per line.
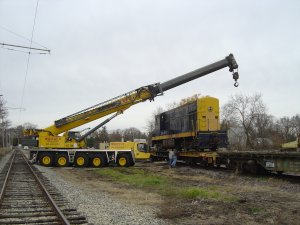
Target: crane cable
<point>28,60</point>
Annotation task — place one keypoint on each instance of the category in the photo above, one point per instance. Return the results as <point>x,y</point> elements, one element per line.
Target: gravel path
<point>101,207</point>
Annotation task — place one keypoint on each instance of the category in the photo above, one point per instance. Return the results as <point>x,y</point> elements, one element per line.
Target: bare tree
<point>285,128</point>
<point>29,126</point>
<point>102,135</point>
<point>150,124</point>
<point>296,125</point>
<point>132,133</point>
<point>189,99</point>
<point>263,125</point>
<point>5,123</point>
<point>242,111</point>
<point>115,135</point>
<point>172,105</point>
<point>16,133</point>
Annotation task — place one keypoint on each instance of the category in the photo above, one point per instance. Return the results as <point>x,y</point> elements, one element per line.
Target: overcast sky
<point>101,49</point>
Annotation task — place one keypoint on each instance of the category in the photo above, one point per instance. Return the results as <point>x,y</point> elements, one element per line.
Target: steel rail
<point>54,206</point>
<point>6,177</point>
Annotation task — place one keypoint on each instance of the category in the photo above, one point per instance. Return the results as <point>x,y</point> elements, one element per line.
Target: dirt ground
<point>252,199</point>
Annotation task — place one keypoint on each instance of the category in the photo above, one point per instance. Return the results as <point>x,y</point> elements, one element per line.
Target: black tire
<point>131,162</point>
<point>81,160</point>
<point>46,159</point>
<point>124,160</point>
<point>62,160</point>
<point>98,160</point>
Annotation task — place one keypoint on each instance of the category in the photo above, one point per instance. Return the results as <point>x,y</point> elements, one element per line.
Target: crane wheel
<point>62,160</point>
<point>98,160</point>
<point>124,160</point>
<point>81,160</point>
<point>132,163</point>
<point>46,159</point>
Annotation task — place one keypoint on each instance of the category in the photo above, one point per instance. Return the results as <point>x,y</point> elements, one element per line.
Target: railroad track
<point>27,197</point>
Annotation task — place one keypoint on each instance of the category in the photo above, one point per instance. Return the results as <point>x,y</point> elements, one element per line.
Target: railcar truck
<point>50,148</point>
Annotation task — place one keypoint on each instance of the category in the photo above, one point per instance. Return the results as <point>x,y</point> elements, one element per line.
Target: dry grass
<point>172,209</point>
<point>4,151</point>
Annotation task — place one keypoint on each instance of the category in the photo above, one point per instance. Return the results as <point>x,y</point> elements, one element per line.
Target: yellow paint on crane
<point>96,161</point>
<point>46,160</point>
<point>123,104</point>
<point>139,149</point>
<point>50,141</point>
<point>122,161</point>
<point>62,161</point>
<point>80,161</point>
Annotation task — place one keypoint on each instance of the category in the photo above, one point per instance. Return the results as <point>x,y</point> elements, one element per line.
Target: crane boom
<point>228,61</point>
<point>48,137</point>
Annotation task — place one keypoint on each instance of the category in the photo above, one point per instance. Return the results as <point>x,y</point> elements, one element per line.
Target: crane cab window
<point>142,147</point>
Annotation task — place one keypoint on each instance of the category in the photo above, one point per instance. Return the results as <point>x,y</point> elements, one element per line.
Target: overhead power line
<point>21,36</point>
<point>28,59</point>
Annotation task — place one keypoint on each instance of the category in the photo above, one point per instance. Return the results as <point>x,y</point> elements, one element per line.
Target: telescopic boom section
<point>228,61</point>
<point>141,94</point>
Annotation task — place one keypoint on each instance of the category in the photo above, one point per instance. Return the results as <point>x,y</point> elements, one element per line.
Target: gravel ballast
<point>101,207</point>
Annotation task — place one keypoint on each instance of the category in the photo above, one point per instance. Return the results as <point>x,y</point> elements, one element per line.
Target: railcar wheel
<point>98,160</point>
<point>62,160</point>
<point>124,160</point>
<point>81,160</point>
<point>46,159</point>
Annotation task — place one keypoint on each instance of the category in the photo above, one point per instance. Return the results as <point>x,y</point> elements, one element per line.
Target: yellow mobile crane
<point>52,149</point>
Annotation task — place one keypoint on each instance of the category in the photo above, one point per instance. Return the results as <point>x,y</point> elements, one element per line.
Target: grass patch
<point>135,177</point>
<point>213,188</point>
<point>195,192</point>
<point>162,185</point>
<point>262,178</point>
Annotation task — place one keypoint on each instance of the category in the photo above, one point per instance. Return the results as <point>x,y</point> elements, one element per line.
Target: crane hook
<point>235,76</point>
